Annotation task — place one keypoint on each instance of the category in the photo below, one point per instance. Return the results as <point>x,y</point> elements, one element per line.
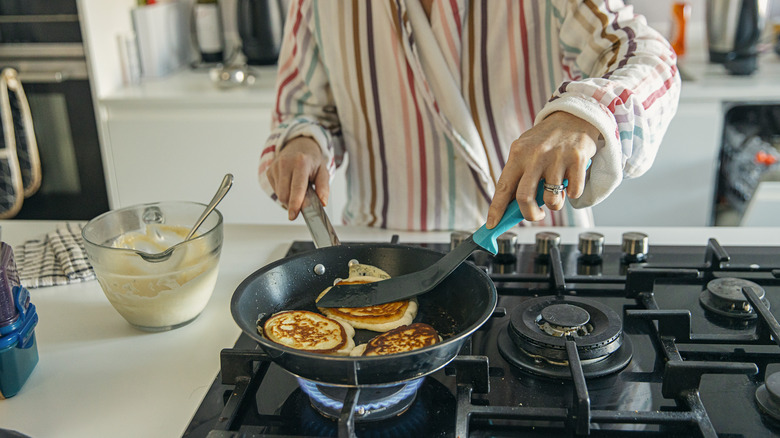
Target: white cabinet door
<point>176,153</point>
<point>679,189</point>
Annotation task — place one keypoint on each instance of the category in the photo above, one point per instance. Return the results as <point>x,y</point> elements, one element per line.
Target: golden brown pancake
<point>379,318</point>
<point>406,338</point>
<point>304,330</point>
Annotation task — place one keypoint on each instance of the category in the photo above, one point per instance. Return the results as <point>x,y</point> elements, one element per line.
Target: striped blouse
<point>352,76</point>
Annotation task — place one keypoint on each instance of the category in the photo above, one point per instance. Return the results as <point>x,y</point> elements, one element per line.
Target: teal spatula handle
<point>487,238</point>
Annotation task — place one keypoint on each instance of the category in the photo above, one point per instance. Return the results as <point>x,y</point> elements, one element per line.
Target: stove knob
<point>591,246</point>
<point>457,237</point>
<point>507,248</point>
<point>507,243</point>
<point>546,240</point>
<point>635,246</point>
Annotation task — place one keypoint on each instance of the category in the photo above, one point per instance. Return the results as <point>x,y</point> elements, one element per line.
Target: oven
<point>601,339</point>
<point>42,40</point>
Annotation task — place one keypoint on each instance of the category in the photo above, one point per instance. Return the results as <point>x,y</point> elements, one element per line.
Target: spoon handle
<point>227,182</point>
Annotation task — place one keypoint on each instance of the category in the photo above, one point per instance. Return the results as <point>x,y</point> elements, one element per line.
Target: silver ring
<point>556,189</point>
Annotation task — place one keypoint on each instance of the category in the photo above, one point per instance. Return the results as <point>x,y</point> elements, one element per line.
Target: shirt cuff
<point>606,170</point>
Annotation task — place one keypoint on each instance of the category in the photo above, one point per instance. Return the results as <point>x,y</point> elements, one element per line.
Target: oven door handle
<point>43,77</point>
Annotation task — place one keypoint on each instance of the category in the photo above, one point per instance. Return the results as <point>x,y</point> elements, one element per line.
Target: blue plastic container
<point>18,318</point>
<point>18,349</point>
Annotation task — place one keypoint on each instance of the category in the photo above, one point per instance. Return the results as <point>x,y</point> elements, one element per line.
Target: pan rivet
<point>361,410</point>
<point>352,263</point>
<point>319,269</point>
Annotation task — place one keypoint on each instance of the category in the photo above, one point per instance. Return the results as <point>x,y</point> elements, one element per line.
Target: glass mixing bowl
<point>155,293</point>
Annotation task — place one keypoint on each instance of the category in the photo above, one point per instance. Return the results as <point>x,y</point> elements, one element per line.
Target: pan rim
<point>254,334</point>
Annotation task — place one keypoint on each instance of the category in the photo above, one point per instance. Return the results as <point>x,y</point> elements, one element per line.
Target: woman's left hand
<point>555,149</point>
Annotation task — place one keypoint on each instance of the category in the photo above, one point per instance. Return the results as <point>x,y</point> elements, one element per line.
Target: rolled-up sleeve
<point>304,104</point>
<point>621,76</point>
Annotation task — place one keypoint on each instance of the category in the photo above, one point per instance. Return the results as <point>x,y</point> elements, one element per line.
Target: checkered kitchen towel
<point>54,259</point>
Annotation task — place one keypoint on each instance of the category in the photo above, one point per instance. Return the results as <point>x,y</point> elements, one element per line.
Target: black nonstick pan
<point>455,308</point>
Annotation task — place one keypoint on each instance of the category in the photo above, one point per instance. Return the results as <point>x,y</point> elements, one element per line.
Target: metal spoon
<point>224,187</point>
<point>227,183</point>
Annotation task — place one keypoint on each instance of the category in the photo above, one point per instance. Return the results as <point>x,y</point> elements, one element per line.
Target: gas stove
<point>603,339</point>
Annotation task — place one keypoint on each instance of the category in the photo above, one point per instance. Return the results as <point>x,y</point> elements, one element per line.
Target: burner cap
<point>539,327</point>
<point>535,337</point>
<point>724,297</point>
<point>590,368</point>
<point>768,396</point>
<point>564,320</point>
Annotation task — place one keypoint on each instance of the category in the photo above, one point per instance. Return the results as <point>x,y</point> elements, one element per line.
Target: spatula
<point>409,285</point>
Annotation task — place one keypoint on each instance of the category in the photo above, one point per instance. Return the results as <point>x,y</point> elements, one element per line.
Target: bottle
<point>208,31</point>
<point>681,12</point>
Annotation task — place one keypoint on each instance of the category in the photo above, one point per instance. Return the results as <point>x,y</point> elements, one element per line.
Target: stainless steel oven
<point>42,40</point>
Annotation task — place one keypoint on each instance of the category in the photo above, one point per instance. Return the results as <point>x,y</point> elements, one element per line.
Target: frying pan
<point>457,307</point>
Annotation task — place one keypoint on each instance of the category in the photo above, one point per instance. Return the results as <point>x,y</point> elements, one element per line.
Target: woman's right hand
<point>299,164</point>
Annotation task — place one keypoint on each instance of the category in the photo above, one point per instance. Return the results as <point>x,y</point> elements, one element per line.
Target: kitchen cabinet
<point>175,138</point>
<point>177,152</point>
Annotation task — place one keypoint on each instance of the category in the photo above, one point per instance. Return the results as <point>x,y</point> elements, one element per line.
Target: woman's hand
<point>557,148</point>
<point>299,163</point>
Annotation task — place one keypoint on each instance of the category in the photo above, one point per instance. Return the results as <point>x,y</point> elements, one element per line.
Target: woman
<point>451,109</point>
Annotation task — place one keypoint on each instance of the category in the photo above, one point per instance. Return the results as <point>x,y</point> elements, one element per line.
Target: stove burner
<point>724,297</point>
<point>564,320</point>
<point>536,334</point>
<point>374,402</point>
<point>768,396</point>
<point>432,413</point>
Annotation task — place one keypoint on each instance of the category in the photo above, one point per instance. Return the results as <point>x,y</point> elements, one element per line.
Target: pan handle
<point>321,229</point>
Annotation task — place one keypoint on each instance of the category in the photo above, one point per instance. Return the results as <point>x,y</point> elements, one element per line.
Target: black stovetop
<point>681,371</point>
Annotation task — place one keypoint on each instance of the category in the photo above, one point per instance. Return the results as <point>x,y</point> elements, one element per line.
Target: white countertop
<point>99,377</point>
<point>705,81</point>
<point>190,87</point>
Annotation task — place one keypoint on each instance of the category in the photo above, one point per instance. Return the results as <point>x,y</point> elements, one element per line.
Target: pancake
<point>379,318</point>
<point>358,270</point>
<point>406,338</point>
<point>304,330</point>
